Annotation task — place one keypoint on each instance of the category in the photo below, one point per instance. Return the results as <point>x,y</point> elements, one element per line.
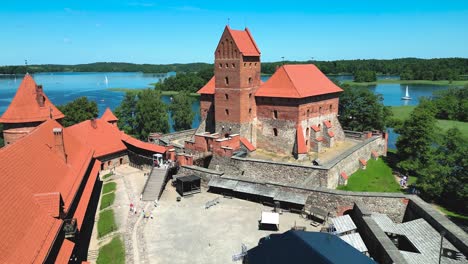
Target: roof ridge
<point>252,39</point>
<point>290,79</point>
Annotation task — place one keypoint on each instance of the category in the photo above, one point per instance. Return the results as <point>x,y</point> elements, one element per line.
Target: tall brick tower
<point>237,78</point>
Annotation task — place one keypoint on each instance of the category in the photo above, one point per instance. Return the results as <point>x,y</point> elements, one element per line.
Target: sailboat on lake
<point>106,81</point>
<point>406,97</point>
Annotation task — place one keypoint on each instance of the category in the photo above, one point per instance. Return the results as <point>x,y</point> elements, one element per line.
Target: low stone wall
<point>204,174</point>
<point>167,138</point>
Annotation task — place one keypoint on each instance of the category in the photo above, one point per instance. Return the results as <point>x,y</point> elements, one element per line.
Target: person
<point>141,196</point>
<point>131,207</point>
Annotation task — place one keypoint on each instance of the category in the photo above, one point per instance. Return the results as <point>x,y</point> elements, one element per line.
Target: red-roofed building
<point>29,108</point>
<point>48,179</point>
<point>235,101</point>
<point>109,117</point>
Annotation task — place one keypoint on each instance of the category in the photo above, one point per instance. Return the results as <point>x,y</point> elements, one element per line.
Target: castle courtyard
<point>186,232</point>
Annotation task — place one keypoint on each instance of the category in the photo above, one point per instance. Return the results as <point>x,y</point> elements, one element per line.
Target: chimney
<point>93,122</point>
<point>40,95</point>
<point>59,146</point>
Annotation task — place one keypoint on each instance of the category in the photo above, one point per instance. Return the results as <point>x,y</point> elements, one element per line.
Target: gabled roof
<point>103,137</point>
<point>301,146</point>
<point>25,108</point>
<point>297,81</point>
<point>29,167</point>
<point>142,145</point>
<point>244,41</point>
<point>247,144</point>
<point>209,87</point>
<point>109,116</point>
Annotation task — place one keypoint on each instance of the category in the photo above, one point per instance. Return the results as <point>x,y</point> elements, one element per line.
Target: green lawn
<point>107,200</point>
<point>403,112</point>
<point>452,214</point>
<point>106,223</point>
<point>113,252</point>
<point>454,83</point>
<point>107,175</point>
<point>376,178</point>
<point>109,187</point>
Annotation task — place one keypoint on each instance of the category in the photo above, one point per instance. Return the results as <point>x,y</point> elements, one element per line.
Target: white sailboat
<point>406,97</point>
<point>106,81</point>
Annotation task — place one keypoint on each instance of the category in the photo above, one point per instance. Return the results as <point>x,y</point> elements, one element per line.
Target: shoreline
<point>425,82</point>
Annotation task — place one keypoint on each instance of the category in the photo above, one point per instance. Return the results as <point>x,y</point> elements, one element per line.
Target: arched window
<point>245,64</point>
<point>331,106</point>
<point>275,132</point>
<point>250,95</point>
<point>227,96</point>
<point>320,110</point>
<point>250,110</point>
<point>220,65</point>
<point>227,111</point>
<point>275,114</point>
<point>227,65</point>
<point>233,65</point>
<point>250,80</point>
<point>307,142</point>
<point>308,113</point>
<point>226,80</point>
<point>307,132</point>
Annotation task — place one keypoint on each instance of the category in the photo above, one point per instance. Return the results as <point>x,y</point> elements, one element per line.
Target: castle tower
<point>28,109</point>
<point>237,77</point>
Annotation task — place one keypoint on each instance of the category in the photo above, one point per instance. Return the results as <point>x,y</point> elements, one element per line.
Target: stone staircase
<point>154,184</point>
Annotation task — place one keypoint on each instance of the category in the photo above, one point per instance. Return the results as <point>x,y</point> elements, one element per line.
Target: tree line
<point>407,68</point>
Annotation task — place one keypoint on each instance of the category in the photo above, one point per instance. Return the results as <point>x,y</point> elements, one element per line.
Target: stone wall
<point>114,160</point>
<point>204,174</point>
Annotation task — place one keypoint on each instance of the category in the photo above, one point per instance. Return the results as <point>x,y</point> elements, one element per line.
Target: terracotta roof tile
<point>49,202</point>
<point>363,162</point>
<point>244,42</point>
<point>301,146</point>
<point>65,252</point>
<point>375,154</point>
<point>344,175</point>
<point>109,116</point>
<point>247,144</point>
<point>209,87</point>
<point>86,195</point>
<point>331,134</point>
<point>103,137</point>
<point>320,139</point>
<point>315,128</point>
<point>327,124</point>
<point>28,167</point>
<point>25,108</point>
<point>297,81</point>
<point>142,145</point>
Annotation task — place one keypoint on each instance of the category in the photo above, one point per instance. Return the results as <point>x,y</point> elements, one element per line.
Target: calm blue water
<point>65,87</point>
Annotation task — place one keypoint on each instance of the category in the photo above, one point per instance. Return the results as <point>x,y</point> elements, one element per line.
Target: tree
<point>151,114</point>
<point>182,82</point>
<point>360,110</point>
<point>78,110</point>
<point>417,134</point>
<point>181,111</point>
<point>365,76</point>
<point>125,112</point>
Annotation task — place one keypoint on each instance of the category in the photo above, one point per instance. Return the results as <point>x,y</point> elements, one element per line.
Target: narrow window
<point>307,142</point>
<point>250,95</point>
<point>275,132</point>
<point>227,111</point>
<point>250,80</point>
<point>233,65</point>
<point>250,111</point>
<point>255,64</point>
<point>307,132</point>
<point>275,114</point>
<point>250,65</point>
<point>320,108</point>
<point>226,80</point>
<point>331,108</point>
<point>227,96</point>
<point>245,64</point>
<point>227,65</point>
<point>220,65</point>
<point>308,112</point>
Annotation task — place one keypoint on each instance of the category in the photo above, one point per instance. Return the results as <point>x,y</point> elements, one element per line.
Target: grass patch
<point>106,223</point>
<point>107,200</point>
<point>376,178</point>
<point>452,214</point>
<point>107,175</point>
<point>109,187</point>
<point>113,252</point>
<point>444,82</point>
<point>167,93</point>
<point>404,112</point>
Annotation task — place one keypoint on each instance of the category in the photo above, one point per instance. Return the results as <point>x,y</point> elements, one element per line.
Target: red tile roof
<point>109,116</point>
<point>65,252</point>
<point>209,87</point>
<point>331,134</point>
<point>49,202</point>
<point>86,195</point>
<point>244,42</point>
<point>103,137</point>
<point>375,154</point>
<point>327,124</point>
<point>32,166</point>
<point>320,139</point>
<point>363,162</point>
<point>247,144</point>
<point>25,108</point>
<point>315,128</point>
<point>297,81</point>
<point>142,145</point>
<point>344,175</point>
<point>301,146</point>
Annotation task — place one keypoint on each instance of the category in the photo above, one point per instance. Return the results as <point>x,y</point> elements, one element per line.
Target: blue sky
<point>155,31</point>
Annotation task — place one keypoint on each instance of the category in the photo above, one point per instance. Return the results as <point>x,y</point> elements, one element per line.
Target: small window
<point>250,65</point>
<point>226,80</point>
<point>250,110</point>
<point>255,64</point>
<point>250,80</point>
<point>227,65</point>
<point>275,114</point>
<point>307,142</point>
<point>307,132</point>
<point>308,113</point>
<point>250,95</point>
<point>227,111</point>
<point>275,132</point>
<point>245,64</point>
<point>220,65</point>
<point>320,108</point>
<point>331,106</point>
<point>226,96</point>
<point>233,65</point>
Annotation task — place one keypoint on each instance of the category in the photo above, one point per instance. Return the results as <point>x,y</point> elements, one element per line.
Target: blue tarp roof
<point>305,247</point>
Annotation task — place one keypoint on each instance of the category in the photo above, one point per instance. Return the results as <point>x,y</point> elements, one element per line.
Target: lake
<point>63,87</point>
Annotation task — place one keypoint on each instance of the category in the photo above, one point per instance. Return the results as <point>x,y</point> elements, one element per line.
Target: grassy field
<point>107,200</point>
<point>113,252</point>
<point>403,112</point>
<point>133,90</point>
<point>376,178</point>
<point>453,83</point>
<point>107,175</point>
<point>109,187</point>
<point>452,214</point>
<point>106,223</point>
